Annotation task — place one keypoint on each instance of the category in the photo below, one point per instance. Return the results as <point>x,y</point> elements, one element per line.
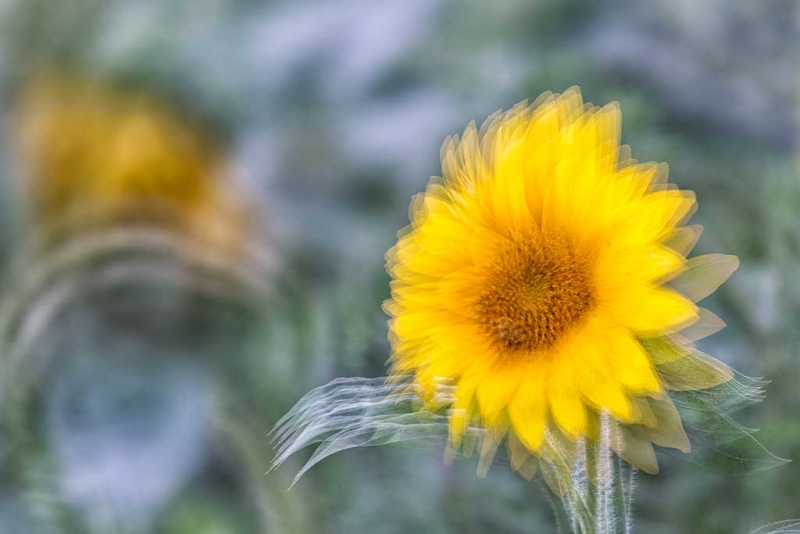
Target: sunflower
<point>545,278</point>
<point>98,156</point>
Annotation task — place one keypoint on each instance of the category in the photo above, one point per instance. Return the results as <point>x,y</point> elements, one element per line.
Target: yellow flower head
<point>545,278</point>
<point>98,156</point>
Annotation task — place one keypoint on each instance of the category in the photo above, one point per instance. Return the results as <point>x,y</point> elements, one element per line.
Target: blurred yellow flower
<point>545,278</point>
<point>97,155</point>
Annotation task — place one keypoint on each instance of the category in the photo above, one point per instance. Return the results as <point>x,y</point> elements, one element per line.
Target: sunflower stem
<point>600,497</point>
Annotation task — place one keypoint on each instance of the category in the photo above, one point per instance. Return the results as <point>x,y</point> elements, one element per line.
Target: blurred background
<point>197,196</point>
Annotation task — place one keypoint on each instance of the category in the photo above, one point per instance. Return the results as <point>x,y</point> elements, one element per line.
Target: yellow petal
<point>528,411</point>
<point>651,310</point>
<point>483,246</point>
<point>459,291</point>
<point>632,366</point>
<point>654,216</point>
<point>704,274</point>
<point>522,461</point>
<point>668,431</point>
<point>635,449</point>
<point>707,324</point>
<point>616,270</point>
<point>564,397</point>
<point>495,390</point>
<point>599,384</point>
<point>646,416</point>
<point>685,238</point>
<point>461,412</point>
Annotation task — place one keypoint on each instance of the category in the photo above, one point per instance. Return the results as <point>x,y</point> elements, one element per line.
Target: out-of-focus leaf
<point>355,412</point>
<point>718,442</point>
<point>790,526</point>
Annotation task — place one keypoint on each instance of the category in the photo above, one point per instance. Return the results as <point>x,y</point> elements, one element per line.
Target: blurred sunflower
<point>98,155</point>
<point>545,278</point>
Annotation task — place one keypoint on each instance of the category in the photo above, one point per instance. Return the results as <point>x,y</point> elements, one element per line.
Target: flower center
<point>536,289</point>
